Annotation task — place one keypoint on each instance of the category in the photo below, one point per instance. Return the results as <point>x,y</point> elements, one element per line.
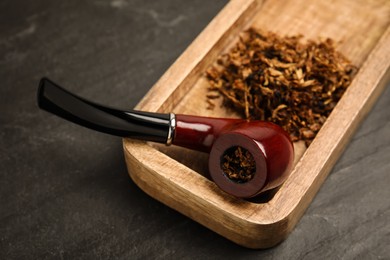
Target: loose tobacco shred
<point>280,79</point>
<point>238,164</point>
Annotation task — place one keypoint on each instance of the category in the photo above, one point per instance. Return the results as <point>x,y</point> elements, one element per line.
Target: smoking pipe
<point>266,146</point>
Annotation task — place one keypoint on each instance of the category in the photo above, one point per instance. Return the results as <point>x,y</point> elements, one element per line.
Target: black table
<point>65,191</point>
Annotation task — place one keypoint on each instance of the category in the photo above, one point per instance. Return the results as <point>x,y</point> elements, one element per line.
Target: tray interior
<point>176,176</point>
<point>351,27</point>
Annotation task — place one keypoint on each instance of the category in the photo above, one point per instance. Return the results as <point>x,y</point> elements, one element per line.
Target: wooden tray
<point>176,176</point>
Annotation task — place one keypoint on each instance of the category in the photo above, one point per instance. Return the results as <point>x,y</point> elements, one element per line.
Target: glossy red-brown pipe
<point>199,133</point>
<point>269,144</point>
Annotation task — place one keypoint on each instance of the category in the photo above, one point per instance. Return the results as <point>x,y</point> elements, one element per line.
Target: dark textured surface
<point>64,190</point>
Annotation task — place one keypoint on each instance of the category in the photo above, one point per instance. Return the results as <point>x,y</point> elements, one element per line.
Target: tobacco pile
<point>238,164</point>
<point>280,79</point>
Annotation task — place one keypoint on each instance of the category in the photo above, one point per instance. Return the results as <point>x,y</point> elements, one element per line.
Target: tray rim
<point>265,225</point>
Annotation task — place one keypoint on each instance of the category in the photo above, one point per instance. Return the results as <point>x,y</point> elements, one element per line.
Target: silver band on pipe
<point>172,127</point>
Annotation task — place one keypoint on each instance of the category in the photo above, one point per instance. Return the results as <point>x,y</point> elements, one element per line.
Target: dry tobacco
<point>238,164</point>
<point>280,79</point>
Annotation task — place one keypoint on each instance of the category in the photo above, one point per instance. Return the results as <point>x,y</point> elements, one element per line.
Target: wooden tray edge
<point>261,231</point>
<point>199,198</point>
<point>198,56</point>
<point>344,120</point>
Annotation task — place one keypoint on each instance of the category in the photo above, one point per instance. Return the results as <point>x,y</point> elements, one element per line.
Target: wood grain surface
<point>64,190</point>
<point>183,89</point>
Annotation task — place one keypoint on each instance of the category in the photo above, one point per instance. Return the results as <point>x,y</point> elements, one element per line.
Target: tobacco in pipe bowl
<point>246,158</point>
